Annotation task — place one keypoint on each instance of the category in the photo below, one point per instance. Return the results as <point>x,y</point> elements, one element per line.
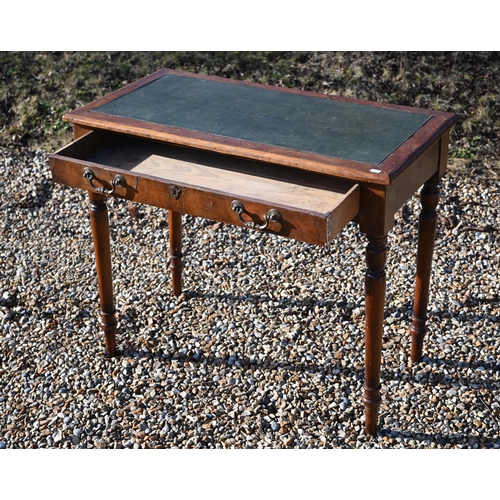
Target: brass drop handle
<point>117,181</point>
<point>273,215</point>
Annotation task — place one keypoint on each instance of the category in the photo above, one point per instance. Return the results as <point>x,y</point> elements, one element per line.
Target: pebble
<point>264,349</point>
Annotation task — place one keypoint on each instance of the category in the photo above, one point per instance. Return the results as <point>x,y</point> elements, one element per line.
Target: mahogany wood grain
<point>80,131</point>
<point>100,232</point>
<point>176,264</point>
<point>443,153</point>
<point>410,180</point>
<point>429,196</point>
<point>376,256</point>
<point>378,204</point>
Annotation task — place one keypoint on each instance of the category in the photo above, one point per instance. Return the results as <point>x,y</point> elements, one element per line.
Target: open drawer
<point>279,200</point>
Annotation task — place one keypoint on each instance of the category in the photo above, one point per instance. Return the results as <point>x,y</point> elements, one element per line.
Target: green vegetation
<point>37,88</point>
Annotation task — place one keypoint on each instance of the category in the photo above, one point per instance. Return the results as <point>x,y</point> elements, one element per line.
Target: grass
<point>37,88</point>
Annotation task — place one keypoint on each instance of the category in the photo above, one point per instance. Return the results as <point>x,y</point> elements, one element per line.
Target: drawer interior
<point>239,177</point>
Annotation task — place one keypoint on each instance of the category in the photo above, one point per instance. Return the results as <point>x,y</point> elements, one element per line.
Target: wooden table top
<point>347,138</point>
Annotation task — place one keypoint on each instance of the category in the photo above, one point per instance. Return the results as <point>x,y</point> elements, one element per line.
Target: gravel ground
<point>265,347</point>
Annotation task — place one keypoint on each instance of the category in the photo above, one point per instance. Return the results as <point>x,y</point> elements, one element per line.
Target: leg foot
<point>371,400</point>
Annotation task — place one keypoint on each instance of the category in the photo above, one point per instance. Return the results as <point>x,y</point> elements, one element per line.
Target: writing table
<point>287,162</point>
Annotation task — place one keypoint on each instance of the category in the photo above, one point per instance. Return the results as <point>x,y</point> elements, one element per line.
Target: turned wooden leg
<point>429,197</point>
<point>100,233</point>
<point>176,265</point>
<point>376,255</point>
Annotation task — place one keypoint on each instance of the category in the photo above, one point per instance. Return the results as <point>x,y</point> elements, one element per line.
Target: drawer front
<point>203,191</point>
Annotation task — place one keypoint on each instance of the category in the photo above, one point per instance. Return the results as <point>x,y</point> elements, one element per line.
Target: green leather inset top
<point>344,130</point>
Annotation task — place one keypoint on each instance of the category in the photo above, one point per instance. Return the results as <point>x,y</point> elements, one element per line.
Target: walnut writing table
<point>287,162</point>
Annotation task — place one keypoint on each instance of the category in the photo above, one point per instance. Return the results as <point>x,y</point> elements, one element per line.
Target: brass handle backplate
<point>117,181</point>
<point>273,215</point>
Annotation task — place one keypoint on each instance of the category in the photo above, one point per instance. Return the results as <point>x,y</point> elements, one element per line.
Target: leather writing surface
<point>340,129</point>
